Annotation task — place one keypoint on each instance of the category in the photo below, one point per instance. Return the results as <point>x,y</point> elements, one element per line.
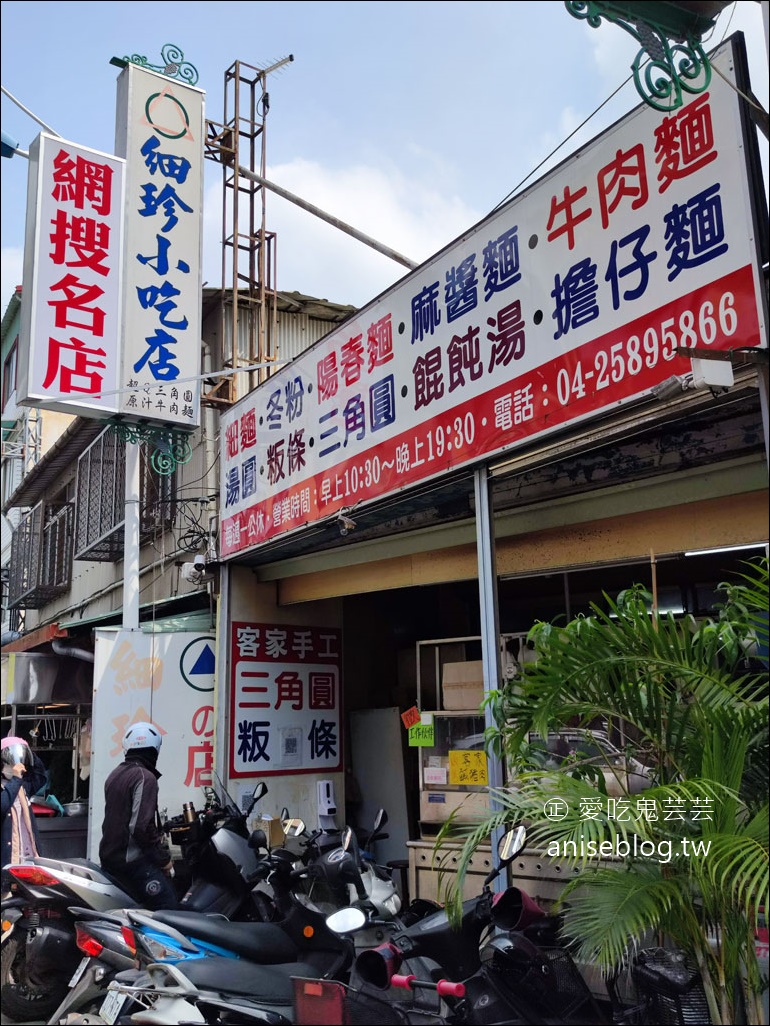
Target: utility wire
<point>751,100</point>
<point>545,160</point>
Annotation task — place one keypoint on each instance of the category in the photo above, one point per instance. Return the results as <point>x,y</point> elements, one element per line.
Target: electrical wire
<point>545,160</point>
<point>749,99</point>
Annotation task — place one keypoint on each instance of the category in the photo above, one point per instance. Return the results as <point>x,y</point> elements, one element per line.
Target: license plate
<point>79,971</point>
<point>111,1006</point>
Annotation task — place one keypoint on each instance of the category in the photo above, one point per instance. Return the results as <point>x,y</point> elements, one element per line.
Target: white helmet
<point>15,750</point>
<point>142,735</point>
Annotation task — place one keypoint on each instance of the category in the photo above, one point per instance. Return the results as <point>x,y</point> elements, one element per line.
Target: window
<point>9,373</point>
<point>101,500</point>
<point>41,556</point>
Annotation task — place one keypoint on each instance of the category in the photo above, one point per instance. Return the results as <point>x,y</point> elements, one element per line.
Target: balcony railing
<point>41,556</point>
<point>101,500</point>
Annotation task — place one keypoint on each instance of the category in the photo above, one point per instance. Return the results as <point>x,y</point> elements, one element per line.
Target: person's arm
<point>9,791</point>
<point>146,833</point>
<point>36,776</point>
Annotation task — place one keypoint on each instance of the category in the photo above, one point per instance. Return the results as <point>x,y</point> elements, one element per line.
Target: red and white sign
<point>161,132</point>
<point>285,699</point>
<point>567,302</point>
<point>71,310</point>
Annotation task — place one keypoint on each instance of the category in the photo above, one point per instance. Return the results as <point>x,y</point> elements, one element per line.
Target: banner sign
<point>567,302</point>
<point>285,698</point>
<point>70,336</point>
<point>161,132</point>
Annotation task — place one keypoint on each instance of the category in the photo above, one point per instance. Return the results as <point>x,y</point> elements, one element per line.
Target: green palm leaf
<point>691,701</point>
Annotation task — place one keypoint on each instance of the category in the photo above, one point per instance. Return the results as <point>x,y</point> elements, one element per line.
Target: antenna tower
<point>248,248</point>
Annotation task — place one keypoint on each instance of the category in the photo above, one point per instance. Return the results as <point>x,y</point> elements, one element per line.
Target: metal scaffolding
<point>248,248</point>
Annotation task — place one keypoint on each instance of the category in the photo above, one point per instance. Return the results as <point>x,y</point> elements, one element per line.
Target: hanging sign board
<point>565,303</point>
<point>70,335</point>
<point>161,133</point>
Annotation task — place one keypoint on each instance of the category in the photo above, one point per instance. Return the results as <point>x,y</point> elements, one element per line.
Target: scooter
<point>185,975</point>
<point>505,954</point>
<point>335,881</point>
<point>39,951</point>
<point>178,937</point>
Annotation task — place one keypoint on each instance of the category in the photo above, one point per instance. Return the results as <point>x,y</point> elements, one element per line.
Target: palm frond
<point>738,869</point>
<point>606,912</point>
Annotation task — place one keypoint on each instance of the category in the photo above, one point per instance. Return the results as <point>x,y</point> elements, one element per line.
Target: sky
<point>409,121</point>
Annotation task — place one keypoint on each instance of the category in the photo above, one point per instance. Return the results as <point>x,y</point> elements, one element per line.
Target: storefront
<point>568,400</point>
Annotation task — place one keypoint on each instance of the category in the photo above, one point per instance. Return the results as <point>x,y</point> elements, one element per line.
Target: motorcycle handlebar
<point>445,988</point>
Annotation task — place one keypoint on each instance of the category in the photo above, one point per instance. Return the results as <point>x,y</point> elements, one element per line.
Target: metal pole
<point>490,632</point>
<point>343,227</point>
<point>131,539</point>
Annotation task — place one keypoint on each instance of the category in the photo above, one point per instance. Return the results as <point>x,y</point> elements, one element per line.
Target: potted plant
<point>686,859</point>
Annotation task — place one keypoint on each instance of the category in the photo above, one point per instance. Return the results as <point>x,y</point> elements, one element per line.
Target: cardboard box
<point>463,685</point>
<point>436,804</point>
<point>273,830</point>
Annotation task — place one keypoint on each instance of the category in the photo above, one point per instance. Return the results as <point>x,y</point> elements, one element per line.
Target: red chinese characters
<point>84,253</point>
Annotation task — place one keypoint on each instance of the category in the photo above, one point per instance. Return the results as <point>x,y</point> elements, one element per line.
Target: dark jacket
<point>131,829</point>
<point>33,780</point>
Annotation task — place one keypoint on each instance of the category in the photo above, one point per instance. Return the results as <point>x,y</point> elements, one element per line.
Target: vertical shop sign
<point>286,697</point>
<point>161,132</point>
<point>70,339</point>
<point>166,679</point>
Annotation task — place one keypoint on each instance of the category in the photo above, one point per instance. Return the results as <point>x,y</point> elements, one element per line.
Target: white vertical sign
<point>70,320</point>
<point>161,133</point>
<point>166,679</point>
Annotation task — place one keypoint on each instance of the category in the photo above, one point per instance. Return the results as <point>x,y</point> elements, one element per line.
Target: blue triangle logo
<point>205,662</point>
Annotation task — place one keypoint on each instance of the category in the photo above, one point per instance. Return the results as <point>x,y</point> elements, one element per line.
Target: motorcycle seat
<point>260,942</point>
<point>226,976</point>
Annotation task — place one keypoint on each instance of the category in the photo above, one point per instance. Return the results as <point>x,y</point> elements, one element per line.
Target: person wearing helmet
<point>23,775</point>
<point>132,848</point>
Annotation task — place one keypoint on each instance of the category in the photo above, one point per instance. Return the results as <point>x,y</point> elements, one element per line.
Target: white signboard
<point>567,302</point>
<point>166,679</point>
<point>161,132</point>
<point>285,699</point>
<point>70,319</point>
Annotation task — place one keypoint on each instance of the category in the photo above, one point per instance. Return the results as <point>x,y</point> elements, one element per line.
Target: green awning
<point>183,613</point>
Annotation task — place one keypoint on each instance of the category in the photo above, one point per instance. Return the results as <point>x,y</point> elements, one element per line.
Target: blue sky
<point>409,121</point>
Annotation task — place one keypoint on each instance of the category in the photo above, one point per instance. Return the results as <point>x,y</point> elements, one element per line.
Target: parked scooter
<point>178,937</point>
<point>505,954</point>
<point>192,967</point>
<point>347,873</point>
<point>39,951</point>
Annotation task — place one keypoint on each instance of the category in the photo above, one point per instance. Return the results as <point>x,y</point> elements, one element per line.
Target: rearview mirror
<point>347,920</point>
<point>259,791</point>
<point>379,821</point>
<point>293,827</point>
<point>510,844</point>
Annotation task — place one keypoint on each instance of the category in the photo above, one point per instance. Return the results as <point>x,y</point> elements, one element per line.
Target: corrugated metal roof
<point>11,311</point>
<point>150,613</point>
<point>200,621</point>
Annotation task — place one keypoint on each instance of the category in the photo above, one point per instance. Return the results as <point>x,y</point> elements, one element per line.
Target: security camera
<point>199,562</point>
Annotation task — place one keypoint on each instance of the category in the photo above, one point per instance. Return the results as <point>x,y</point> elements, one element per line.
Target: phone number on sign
<point>709,324</point>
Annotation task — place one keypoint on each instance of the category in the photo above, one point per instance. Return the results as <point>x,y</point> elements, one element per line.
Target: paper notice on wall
<point>434,775</point>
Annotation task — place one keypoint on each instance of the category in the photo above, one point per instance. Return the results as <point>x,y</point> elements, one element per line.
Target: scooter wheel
<point>21,1002</point>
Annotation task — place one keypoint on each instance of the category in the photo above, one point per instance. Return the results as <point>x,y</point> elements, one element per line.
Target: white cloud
<point>11,266</point>
<point>407,214</point>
